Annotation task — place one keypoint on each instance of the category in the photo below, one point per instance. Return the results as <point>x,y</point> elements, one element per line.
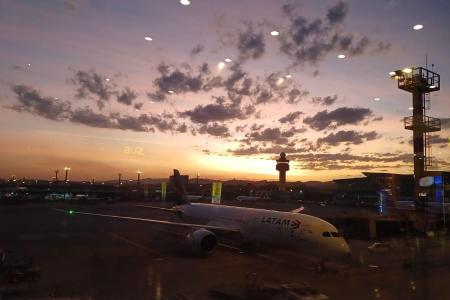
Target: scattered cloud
<point>296,95</point>
<point>174,80</point>
<point>217,112</point>
<point>126,96</point>
<point>291,117</point>
<point>215,129</point>
<point>31,101</point>
<point>340,116</point>
<point>337,13</point>
<point>197,49</point>
<point>325,101</point>
<point>348,137</point>
<point>250,44</point>
<point>309,41</point>
<point>91,85</point>
<point>442,142</point>
<point>87,116</point>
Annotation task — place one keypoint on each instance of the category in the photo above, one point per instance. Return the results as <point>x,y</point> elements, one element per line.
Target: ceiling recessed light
<point>341,56</point>
<point>228,60</point>
<point>418,27</point>
<point>107,79</point>
<point>280,81</point>
<point>29,65</point>
<point>170,92</point>
<point>376,99</point>
<point>185,2</point>
<point>151,102</point>
<point>288,76</point>
<point>147,38</point>
<point>221,65</point>
<point>274,33</point>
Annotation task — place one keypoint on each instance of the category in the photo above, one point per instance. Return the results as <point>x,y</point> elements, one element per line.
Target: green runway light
<point>70,212</point>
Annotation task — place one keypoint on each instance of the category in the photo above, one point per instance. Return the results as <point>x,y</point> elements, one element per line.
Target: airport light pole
<point>67,169</point>
<point>139,177</point>
<point>120,179</point>
<point>56,175</point>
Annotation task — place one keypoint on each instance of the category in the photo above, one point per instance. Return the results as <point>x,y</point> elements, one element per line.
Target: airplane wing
<point>177,224</point>
<point>173,210</point>
<point>298,210</point>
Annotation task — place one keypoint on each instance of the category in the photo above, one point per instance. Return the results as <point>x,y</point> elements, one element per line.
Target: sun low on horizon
<point>216,88</point>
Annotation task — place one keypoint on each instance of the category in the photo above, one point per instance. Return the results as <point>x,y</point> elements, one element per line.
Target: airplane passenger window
<point>326,234</point>
<point>334,234</point>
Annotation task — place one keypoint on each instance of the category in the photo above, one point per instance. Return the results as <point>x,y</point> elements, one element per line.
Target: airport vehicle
<point>294,230</point>
<point>378,247</point>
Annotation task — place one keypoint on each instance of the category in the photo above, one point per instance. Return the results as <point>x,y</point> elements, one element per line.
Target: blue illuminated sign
<point>438,180</point>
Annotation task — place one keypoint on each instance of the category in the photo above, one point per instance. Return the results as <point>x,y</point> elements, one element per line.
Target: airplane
<point>295,230</point>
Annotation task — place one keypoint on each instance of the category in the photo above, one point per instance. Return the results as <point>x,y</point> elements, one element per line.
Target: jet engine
<point>202,240</point>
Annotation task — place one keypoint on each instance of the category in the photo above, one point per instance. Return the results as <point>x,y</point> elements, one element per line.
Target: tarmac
<point>96,258</point>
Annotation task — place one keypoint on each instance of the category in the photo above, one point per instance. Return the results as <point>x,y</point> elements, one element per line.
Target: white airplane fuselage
<point>288,230</point>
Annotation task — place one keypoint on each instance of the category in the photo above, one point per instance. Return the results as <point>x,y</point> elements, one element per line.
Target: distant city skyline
<point>217,88</point>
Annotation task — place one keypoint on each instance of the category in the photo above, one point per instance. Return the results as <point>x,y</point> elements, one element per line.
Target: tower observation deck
<point>420,82</point>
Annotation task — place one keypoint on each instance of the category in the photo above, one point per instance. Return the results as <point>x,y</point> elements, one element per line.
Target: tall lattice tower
<point>420,82</point>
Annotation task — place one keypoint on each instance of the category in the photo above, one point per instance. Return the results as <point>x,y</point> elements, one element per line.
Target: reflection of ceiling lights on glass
<point>151,102</point>
<point>392,73</point>
<point>411,108</point>
<point>418,27</point>
<point>341,56</point>
<point>221,65</point>
<point>280,81</point>
<point>170,92</point>
<point>288,76</point>
<point>147,38</point>
<point>376,99</point>
<point>185,2</point>
<point>159,114</point>
<point>274,33</point>
<point>29,65</point>
<point>107,79</point>
<point>432,86</point>
<point>228,60</point>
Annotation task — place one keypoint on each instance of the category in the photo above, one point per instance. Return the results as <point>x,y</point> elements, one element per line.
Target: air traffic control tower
<point>420,82</point>
<point>282,168</point>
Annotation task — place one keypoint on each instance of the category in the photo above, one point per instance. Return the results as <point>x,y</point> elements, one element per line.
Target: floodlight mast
<point>420,82</point>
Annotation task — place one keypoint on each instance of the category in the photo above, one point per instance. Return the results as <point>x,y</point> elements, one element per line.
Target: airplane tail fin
<point>180,190</point>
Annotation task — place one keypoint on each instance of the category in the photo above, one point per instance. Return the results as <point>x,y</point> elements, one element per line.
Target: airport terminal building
<point>390,188</point>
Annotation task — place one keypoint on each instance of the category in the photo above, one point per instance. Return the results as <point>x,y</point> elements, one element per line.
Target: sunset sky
<point>81,86</point>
